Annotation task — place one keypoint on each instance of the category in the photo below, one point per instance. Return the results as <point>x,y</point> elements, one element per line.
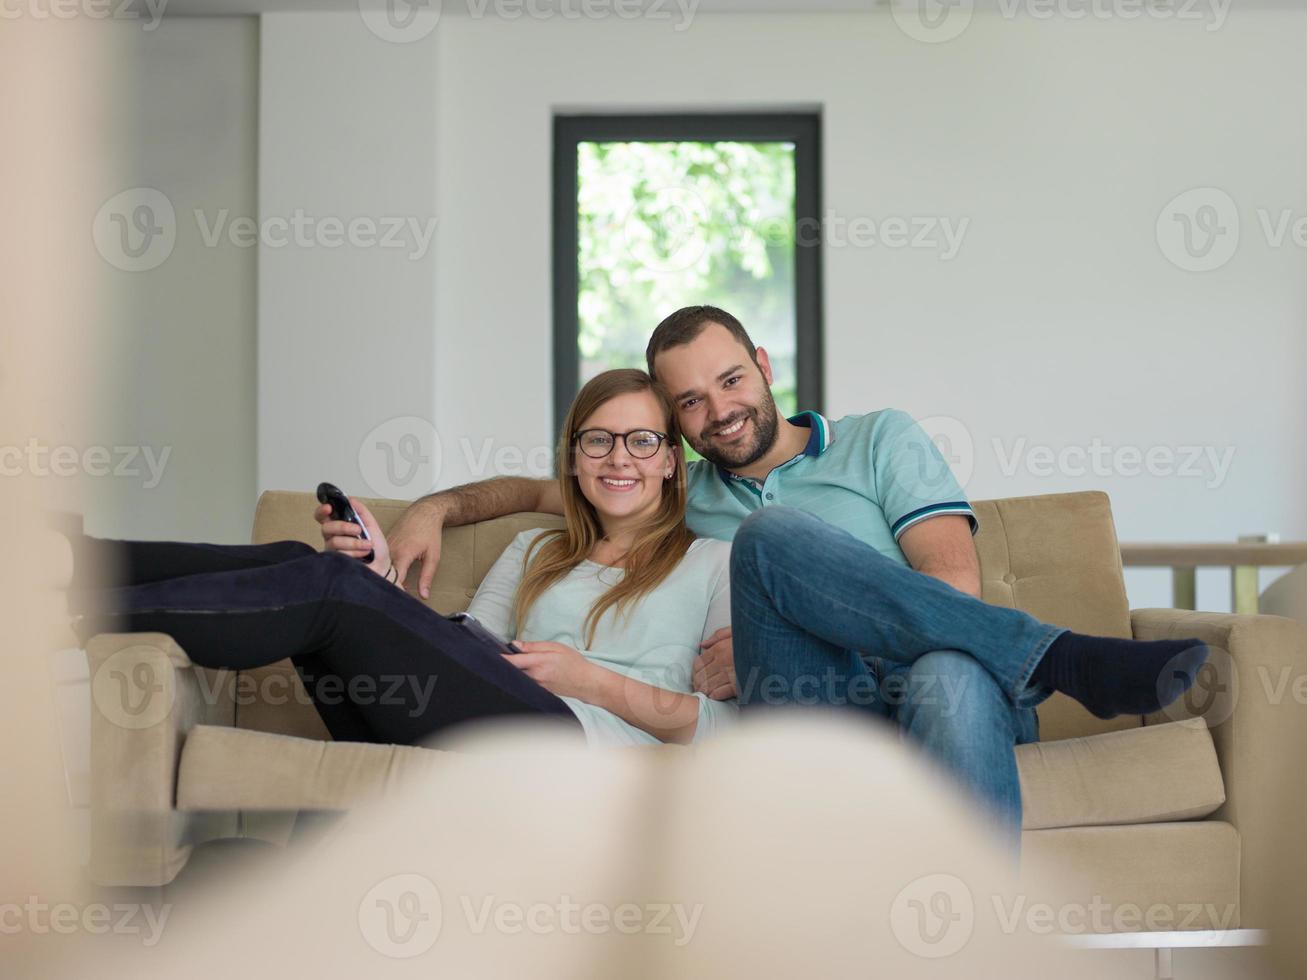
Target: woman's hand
<point>668,716</point>
<point>557,668</point>
<point>346,538</point>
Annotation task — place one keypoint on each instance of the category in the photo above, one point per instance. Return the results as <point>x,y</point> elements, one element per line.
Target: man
<point>854,578</point>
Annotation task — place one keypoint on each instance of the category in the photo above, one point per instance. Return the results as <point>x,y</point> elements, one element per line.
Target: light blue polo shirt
<point>872,475</point>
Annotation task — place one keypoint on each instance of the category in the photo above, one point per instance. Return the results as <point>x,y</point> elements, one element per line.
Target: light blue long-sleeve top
<point>656,641</point>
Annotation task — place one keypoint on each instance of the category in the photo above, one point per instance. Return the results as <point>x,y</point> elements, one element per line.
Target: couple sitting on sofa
<point>851,579</point>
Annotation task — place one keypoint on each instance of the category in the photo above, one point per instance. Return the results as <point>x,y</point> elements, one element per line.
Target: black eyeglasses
<point>640,443</point>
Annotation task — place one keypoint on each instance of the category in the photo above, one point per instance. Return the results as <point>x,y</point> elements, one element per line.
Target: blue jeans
<point>952,671</point>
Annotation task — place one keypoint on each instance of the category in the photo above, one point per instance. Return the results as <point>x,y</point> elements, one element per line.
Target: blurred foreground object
<point>804,845</point>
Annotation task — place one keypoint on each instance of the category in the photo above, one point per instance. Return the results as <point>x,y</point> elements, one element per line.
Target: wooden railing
<point>1243,558</point>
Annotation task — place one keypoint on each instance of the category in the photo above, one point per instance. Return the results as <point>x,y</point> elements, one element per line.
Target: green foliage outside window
<point>672,224</point>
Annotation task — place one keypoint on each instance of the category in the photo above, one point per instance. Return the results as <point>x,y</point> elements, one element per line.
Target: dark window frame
<point>801,129</point>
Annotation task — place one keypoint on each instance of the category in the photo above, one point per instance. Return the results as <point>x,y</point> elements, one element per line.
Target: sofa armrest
<point>1249,694</point>
<point>145,696</point>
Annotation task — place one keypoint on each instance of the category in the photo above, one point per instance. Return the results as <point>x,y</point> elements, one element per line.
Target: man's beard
<point>765,426</point>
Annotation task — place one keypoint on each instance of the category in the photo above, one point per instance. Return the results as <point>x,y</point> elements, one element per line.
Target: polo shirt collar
<point>819,440</point>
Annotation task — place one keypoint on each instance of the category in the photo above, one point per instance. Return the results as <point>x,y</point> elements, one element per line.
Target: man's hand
<point>416,537</point>
<point>714,669</point>
<point>557,668</point>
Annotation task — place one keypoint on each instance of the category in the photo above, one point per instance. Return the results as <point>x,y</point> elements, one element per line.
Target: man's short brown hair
<point>686,324</point>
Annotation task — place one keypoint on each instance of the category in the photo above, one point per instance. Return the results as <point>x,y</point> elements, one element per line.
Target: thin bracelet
<point>394,580</point>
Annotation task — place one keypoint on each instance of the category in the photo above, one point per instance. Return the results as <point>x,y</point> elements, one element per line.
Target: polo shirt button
<point>770,496</point>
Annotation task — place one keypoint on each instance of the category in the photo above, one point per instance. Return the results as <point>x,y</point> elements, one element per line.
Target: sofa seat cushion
<point>1147,877</point>
<point>1140,775</point>
<point>235,769</point>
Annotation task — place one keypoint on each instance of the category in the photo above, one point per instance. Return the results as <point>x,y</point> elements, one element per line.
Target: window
<point>656,212</point>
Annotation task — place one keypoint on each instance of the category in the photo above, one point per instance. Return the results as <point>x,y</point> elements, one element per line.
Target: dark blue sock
<point>1111,676</point>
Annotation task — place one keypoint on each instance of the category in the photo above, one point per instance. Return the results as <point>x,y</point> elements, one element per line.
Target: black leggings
<point>379,664</point>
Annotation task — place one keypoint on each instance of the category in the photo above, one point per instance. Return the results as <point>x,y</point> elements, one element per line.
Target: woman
<point>608,612</point>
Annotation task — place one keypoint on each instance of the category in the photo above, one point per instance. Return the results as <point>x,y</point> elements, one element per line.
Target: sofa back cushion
<point>1054,556</point>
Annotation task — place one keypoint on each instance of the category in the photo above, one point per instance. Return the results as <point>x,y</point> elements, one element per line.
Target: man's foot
<point>1112,677</point>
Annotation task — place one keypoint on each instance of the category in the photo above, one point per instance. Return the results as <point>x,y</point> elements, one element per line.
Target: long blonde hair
<point>659,546</point>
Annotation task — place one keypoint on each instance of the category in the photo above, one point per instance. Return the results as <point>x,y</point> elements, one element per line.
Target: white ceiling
<point>196,8</point>
<point>460,7</point>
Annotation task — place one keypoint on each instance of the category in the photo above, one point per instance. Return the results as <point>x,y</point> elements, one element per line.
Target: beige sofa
<point>1163,815</point>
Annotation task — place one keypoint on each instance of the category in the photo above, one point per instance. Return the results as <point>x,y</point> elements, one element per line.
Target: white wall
<point>1059,322</point>
<point>173,346</point>
<point>347,131</point>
